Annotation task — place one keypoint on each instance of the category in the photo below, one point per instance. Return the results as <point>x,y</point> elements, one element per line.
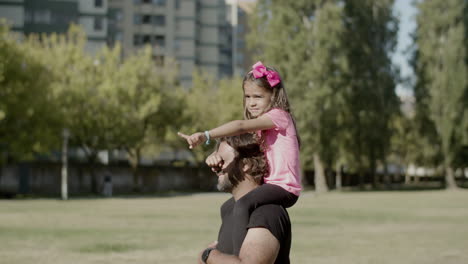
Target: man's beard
<point>224,184</point>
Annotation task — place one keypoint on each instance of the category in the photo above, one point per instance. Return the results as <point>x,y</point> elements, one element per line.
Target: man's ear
<point>246,167</point>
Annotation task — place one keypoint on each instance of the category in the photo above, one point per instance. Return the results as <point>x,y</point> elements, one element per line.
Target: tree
<point>311,60</point>
<point>442,67</point>
<point>27,118</point>
<point>210,103</point>
<point>108,102</point>
<point>82,97</point>
<point>141,96</point>
<point>370,97</point>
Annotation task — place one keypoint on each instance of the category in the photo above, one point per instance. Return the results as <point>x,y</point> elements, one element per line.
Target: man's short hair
<point>248,152</point>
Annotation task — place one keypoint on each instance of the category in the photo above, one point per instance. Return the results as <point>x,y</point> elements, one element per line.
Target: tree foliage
<point>441,64</point>
<point>210,103</point>
<point>26,110</point>
<point>335,59</point>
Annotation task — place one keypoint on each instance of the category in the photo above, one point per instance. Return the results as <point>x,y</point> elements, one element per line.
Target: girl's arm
<point>238,127</point>
<point>231,128</point>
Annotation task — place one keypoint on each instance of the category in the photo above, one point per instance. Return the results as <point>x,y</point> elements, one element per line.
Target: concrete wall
<point>44,179</point>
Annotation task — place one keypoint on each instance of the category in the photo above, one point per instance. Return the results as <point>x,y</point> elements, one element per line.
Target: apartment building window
<point>146,39</point>
<point>240,28</point>
<point>159,2</point>
<point>115,14</point>
<point>160,41</point>
<point>28,16</point>
<point>240,59</point>
<point>137,40</point>
<point>146,19</point>
<point>98,3</point>
<point>118,15</point>
<point>98,23</point>
<point>137,19</point>
<point>159,21</point>
<point>118,36</point>
<point>141,39</point>
<point>42,16</point>
<point>240,44</point>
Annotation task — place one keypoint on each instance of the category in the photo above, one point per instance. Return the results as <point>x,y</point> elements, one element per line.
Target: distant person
<point>267,113</point>
<point>107,186</point>
<point>268,230</point>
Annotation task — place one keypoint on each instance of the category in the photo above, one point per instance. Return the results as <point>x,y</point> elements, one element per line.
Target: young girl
<point>267,112</point>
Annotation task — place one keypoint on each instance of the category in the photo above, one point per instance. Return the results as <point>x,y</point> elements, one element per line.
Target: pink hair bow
<point>259,70</point>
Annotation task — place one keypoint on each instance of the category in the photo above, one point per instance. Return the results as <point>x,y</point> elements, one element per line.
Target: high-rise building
<point>194,32</point>
<point>237,15</point>
<point>47,16</point>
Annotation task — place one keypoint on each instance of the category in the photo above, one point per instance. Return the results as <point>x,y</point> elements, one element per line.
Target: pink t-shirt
<point>282,152</point>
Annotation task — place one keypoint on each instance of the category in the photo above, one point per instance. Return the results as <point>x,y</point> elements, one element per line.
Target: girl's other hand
<point>214,161</point>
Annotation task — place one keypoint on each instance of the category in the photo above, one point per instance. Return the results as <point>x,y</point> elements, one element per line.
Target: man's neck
<point>243,188</point>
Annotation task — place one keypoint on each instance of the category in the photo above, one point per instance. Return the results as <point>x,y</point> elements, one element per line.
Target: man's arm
<point>259,247</point>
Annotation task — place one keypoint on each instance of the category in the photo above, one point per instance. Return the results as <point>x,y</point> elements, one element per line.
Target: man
<point>268,238</point>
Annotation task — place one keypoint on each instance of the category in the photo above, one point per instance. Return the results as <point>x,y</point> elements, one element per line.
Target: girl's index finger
<point>182,135</point>
<point>186,137</point>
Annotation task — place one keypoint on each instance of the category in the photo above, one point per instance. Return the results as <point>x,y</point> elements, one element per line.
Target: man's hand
<point>259,247</point>
<point>194,139</point>
<point>215,162</point>
<point>212,245</point>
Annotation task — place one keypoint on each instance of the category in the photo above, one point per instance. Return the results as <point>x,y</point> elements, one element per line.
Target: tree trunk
<point>450,179</point>
<point>320,182</point>
<point>338,176</point>
<point>387,177</point>
<point>361,177</point>
<point>373,169</point>
<point>134,159</point>
<point>64,172</point>
<point>407,176</point>
<point>92,174</point>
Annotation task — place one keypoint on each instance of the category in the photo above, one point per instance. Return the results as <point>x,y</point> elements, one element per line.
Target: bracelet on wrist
<point>207,135</point>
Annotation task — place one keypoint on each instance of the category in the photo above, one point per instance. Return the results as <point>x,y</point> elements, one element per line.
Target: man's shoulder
<point>274,218</point>
<point>270,211</point>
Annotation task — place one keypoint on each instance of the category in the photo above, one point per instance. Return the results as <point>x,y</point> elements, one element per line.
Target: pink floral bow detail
<point>259,70</point>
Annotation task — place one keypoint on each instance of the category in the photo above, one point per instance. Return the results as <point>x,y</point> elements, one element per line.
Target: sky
<point>406,13</point>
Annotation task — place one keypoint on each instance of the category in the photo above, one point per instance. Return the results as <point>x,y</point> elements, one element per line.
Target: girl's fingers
<point>182,135</point>
<point>186,137</point>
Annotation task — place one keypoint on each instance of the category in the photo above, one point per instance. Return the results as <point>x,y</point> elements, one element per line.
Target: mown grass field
<point>429,227</point>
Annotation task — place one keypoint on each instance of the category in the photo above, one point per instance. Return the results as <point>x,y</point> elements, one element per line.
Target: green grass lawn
<point>429,227</point>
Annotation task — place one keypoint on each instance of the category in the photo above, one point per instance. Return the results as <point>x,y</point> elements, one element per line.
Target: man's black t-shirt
<point>271,216</point>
